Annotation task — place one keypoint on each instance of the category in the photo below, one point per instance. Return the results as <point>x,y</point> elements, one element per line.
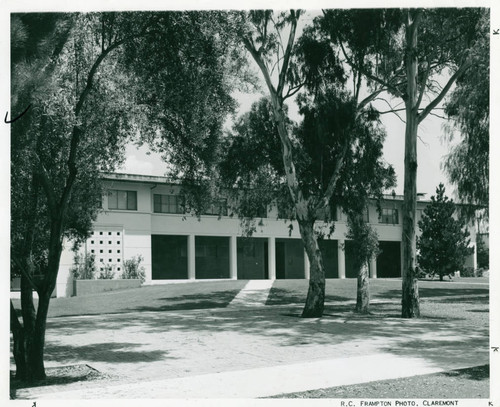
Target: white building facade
<point>143,215</point>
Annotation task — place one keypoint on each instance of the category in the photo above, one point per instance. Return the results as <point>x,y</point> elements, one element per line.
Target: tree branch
<point>325,198</point>
<point>370,98</point>
<point>424,85</point>
<point>47,186</point>
<point>368,74</point>
<point>288,52</point>
<point>395,112</point>
<point>292,91</point>
<point>466,65</point>
<point>24,272</point>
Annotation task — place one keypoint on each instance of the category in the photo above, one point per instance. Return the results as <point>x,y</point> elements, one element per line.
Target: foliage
<point>132,269</point>
<point>107,272</point>
<point>467,165</point>
<point>364,239</point>
<point>483,253</point>
<point>443,244</point>
<point>84,267</point>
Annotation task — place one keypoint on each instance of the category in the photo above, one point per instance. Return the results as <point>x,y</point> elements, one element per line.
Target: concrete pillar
<point>373,267</point>
<point>271,257</point>
<point>341,258</point>
<point>307,267</point>
<point>191,258</point>
<point>233,260</point>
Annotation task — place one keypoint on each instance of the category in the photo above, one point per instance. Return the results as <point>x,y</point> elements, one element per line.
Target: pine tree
<point>443,244</point>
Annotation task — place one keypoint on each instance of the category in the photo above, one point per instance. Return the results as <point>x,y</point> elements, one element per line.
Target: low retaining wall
<point>87,287</point>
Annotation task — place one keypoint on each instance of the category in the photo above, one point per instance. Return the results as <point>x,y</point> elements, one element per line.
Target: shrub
<point>470,272</point>
<point>108,273</point>
<point>132,269</point>
<point>84,267</point>
<point>483,253</point>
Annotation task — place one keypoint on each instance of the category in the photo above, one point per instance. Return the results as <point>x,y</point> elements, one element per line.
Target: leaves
<point>443,244</point>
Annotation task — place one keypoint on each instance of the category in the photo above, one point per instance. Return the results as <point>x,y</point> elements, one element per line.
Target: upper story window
<point>126,200</point>
<point>168,204</point>
<point>218,207</point>
<point>326,214</point>
<point>366,215</point>
<point>389,216</point>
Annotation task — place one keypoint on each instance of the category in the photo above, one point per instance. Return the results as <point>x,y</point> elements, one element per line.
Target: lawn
<point>438,299</point>
<point>171,297</point>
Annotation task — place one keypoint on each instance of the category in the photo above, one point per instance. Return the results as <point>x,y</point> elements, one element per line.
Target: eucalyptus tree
<point>468,108</point>
<point>253,163</point>
<point>93,98</point>
<point>307,66</point>
<point>406,54</point>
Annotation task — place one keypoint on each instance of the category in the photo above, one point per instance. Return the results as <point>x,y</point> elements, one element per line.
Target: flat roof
<point>156,179</point>
<point>150,179</point>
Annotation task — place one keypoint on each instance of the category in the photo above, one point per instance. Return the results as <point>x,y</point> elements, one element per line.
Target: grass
<point>171,297</point>
<point>438,300</point>
<point>470,383</point>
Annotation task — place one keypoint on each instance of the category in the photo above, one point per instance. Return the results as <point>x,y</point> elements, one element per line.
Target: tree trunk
<point>410,300</point>
<point>38,341</point>
<point>19,346</point>
<point>363,290</point>
<point>315,301</point>
<point>25,343</point>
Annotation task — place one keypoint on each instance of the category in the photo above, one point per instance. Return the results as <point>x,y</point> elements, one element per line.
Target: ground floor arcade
<point>181,257</point>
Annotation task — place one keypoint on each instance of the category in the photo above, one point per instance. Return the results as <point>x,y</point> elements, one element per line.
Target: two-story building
<point>143,215</point>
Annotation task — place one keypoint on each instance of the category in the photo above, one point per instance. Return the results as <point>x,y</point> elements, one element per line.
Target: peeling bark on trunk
<point>410,299</point>
<point>315,301</point>
<point>363,290</point>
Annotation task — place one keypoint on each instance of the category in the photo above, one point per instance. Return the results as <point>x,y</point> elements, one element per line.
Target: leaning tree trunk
<point>410,300</point>
<point>363,290</point>
<point>315,301</point>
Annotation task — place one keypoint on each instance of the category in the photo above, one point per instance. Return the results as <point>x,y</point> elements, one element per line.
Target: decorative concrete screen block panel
<point>329,251</point>
<point>289,259</point>
<point>169,257</point>
<point>106,244</point>
<point>252,258</point>
<point>212,257</point>
<point>88,287</point>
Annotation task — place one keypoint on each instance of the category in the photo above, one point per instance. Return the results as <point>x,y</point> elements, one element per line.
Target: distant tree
<point>444,243</point>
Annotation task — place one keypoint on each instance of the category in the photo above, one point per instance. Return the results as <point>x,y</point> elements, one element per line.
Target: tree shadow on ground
<point>282,296</point>
<point>436,340</point>
<point>189,302</point>
<point>115,352</point>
